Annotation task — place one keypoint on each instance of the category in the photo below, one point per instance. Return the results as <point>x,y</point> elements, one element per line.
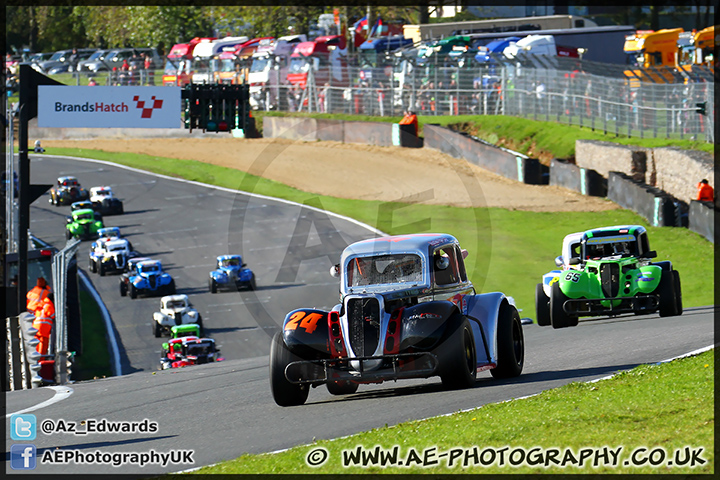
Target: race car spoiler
<point>395,367</point>
<point>594,306</point>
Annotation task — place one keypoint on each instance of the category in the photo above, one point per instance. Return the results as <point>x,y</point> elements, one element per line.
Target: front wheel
<point>284,393</point>
<point>666,291</point>
<point>133,291</point>
<point>510,344</point>
<point>68,235</point>
<point>542,306</point>
<point>558,317</point>
<point>123,289</point>
<point>156,329</point>
<point>213,285</point>
<point>457,357</point>
<point>102,269</point>
<point>93,266</point>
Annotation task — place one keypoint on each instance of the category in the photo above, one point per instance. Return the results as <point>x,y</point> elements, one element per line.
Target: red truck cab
<point>326,56</point>
<point>178,68</point>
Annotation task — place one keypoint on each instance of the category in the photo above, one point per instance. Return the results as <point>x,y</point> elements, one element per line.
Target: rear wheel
<point>666,292</point>
<point>342,387</point>
<point>510,344</point>
<point>558,317</point>
<point>542,306</point>
<point>284,393</point>
<point>678,293</point>
<point>457,357</point>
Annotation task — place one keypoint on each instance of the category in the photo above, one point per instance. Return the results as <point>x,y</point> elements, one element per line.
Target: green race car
<point>613,275</point>
<point>83,224</point>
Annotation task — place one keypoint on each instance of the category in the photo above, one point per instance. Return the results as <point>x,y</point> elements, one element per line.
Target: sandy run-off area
<point>355,171</point>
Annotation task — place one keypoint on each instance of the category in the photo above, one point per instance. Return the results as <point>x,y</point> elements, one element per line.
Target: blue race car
<point>147,278</point>
<point>231,274</point>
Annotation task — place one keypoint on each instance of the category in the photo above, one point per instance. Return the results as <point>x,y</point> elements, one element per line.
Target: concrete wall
<point>606,157</point>
<point>498,160</point>
<point>702,219</point>
<point>656,206</point>
<point>583,180</point>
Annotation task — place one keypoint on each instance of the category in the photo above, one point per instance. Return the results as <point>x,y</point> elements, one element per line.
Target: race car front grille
<point>152,281</point>
<point>178,318</point>
<point>610,279</point>
<point>364,324</point>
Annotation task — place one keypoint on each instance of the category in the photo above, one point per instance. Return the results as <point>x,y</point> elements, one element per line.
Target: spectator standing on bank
<point>706,193</point>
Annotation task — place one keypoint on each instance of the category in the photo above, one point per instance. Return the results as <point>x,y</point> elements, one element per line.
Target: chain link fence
<point>619,99</point>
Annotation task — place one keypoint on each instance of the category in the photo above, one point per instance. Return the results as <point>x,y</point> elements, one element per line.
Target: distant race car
<point>66,191</point>
<point>146,278</point>
<point>408,310</point>
<point>82,205</point>
<point>109,254</point>
<point>83,225</point>
<point>175,310</point>
<point>231,274</point>
<point>569,259</point>
<point>105,201</point>
<point>614,275</point>
<point>186,351</point>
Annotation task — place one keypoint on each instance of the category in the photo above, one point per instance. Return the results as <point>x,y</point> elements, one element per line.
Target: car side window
<point>445,266</point>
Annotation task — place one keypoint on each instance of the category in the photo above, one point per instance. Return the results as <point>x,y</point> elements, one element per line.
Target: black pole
<point>24,185</point>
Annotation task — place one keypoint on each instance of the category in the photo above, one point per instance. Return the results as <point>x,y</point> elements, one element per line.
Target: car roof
<point>229,257</point>
<point>398,244</point>
<point>100,189</point>
<point>173,298</point>
<point>616,229</point>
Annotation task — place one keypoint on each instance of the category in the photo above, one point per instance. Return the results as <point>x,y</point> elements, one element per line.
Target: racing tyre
<point>171,287</point>
<point>93,266</point>
<point>558,317</point>
<point>666,291</point>
<point>456,355</point>
<point>678,293</point>
<point>200,324</point>
<point>213,285</point>
<point>342,387</point>
<point>102,269</point>
<point>133,291</point>
<point>510,344</point>
<point>123,289</point>
<point>68,235</point>
<point>542,306</point>
<point>156,329</point>
<point>284,393</point>
<point>252,285</point>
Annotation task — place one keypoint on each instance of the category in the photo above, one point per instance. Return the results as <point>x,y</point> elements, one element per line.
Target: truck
<point>653,57</point>
<point>326,56</point>
<point>269,69</point>
<point>204,57</point>
<point>178,68</point>
<point>696,54</point>
<point>375,57</point>
<point>232,64</point>
<point>539,45</point>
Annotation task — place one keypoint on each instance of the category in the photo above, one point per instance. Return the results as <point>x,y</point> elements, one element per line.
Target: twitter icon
<point>23,427</point>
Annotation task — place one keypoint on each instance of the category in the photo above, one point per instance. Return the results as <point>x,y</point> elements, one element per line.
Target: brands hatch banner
<point>109,107</point>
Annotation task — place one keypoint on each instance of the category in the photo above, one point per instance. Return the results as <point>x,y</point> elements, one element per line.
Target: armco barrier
<point>498,160</point>
<point>702,219</point>
<point>656,206</point>
<point>583,180</point>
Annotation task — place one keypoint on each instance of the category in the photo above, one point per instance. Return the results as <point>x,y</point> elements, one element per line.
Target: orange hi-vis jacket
<point>410,120</point>
<point>36,296</point>
<point>705,192</point>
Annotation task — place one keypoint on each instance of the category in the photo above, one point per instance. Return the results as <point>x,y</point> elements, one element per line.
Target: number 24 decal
<point>305,320</point>
<point>572,277</point>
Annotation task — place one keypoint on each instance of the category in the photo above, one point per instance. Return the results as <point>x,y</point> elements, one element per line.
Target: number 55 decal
<point>305,320</point>
<point>572,277</point>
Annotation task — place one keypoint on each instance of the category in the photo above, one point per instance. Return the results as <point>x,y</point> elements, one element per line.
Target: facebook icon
<point>23,457</point>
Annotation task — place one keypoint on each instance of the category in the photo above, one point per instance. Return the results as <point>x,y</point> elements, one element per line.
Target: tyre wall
<point>702,219</point>
<point>656,206</point>
<point>498,160</point>
<point>583,180</point>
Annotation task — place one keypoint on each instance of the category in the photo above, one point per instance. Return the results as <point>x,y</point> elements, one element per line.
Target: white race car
<point>105,202</point>
<point>175,310</point>
<point>110,254</point>
<point>570,259</point>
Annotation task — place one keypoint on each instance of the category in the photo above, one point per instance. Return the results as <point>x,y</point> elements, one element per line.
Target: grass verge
<point>641,414</point>
<point>510,250</point>
<point>95,359</point>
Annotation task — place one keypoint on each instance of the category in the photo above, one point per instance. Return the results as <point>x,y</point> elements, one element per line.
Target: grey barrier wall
<point>656,206</point>
<point>674,171</point>
<point>702,219</point>
<point>382,134</point>
<point>583,180</point>
<point>501,161</point>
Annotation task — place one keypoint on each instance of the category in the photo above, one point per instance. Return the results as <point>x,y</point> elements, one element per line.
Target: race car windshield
<point>384,269</point>
<point>103,193</point>
<point>178,304</point>
<point>230,262</point>
<point>611,246</point>
<point>85,216</point>
<point>150,268</point>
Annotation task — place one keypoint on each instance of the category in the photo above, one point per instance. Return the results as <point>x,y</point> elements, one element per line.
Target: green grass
<point>669,406</point>
<point>509,250</point>
<point>94,362</point>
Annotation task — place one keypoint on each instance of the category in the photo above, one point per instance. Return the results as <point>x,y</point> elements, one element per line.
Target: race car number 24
<point>305,320</point>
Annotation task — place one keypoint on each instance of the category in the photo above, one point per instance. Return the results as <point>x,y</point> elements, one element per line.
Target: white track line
<point>61,393</point>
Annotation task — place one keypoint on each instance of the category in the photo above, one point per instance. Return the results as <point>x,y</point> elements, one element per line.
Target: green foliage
<point>94,362</point>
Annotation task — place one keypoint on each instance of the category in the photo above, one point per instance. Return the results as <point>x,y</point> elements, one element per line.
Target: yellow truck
<point>654,56</point>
